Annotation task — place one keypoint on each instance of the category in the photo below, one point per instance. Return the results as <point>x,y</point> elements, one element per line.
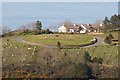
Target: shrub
<point>97,60</point>
<point>1,36</point>
<point>8,34</point>
<point>111,36</point>
<point>47,31</point>
<point>36,32</point>
<point>108,39</point>
<point>82,71</point>
<point>87,57</point>
<point>26,32</point>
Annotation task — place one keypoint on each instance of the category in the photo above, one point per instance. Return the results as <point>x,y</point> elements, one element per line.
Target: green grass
<point>18,51</point>
<point>107,52</point>
<point>103,51</point>
<point>23,56</point>
<point>64,39</point>
<point>115,35</point>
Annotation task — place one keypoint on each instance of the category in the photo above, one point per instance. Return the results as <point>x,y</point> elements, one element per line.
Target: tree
<point>99,25</point>
<point>66,22</point>
<point>108,38</point>
<point>37,28</point>
<point>114,21</point>
<point>106,23</point>
<point>106,20</point>
<point>38,25</point>
<point>87,57</point>
<point>118,20</point>
<point>111,36</point>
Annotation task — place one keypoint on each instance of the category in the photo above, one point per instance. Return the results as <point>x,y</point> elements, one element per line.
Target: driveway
<point>99,42</point>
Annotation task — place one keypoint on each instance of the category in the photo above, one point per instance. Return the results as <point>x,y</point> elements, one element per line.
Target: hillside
<point>21,60</point>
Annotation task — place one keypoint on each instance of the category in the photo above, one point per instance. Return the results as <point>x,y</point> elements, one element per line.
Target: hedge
<point>78,46</point>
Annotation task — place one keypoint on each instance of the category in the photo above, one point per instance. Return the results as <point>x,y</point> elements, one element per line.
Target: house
<point>75,28</point>
<point>68,28</point>
<point>63,29</point>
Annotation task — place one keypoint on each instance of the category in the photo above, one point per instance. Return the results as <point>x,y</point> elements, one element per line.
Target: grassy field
<point>115,35</point>
<point>12,47</point>
<point>64,39</point>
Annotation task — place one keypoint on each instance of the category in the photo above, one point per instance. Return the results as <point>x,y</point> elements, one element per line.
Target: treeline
<point>112,23</point>
<point>32,29</point>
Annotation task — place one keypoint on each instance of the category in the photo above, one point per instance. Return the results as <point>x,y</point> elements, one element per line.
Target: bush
<point>78,46</point>
<point>111,36</point>
<point>47,31</point>
<point>108,39</point>
<point>82,71</point>
<point>26,32</point>
<point>36,32</point>
<point>8,34</point>
<point>87,57</point>
<point>59,45</point>
<point>97,60</point>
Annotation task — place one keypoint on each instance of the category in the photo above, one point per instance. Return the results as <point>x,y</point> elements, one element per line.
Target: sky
<point>60,0</point>
<point>30,12</point>
<point>49,1</point>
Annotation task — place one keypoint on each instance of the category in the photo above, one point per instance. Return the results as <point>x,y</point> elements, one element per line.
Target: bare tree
<point>30,26</point>
<point>5,29</point>
<point>66,22</point>
<point>99,25</point>
<point>0,30</point>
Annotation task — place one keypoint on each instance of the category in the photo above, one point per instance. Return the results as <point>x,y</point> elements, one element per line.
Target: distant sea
<point>51,14</point>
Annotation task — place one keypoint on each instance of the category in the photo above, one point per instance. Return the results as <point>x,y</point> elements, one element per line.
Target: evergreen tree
<point>87,57</point>
<point>114,21</point>
<point>108,38</point>
<point>106,23</point>
<point>38,25</point>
